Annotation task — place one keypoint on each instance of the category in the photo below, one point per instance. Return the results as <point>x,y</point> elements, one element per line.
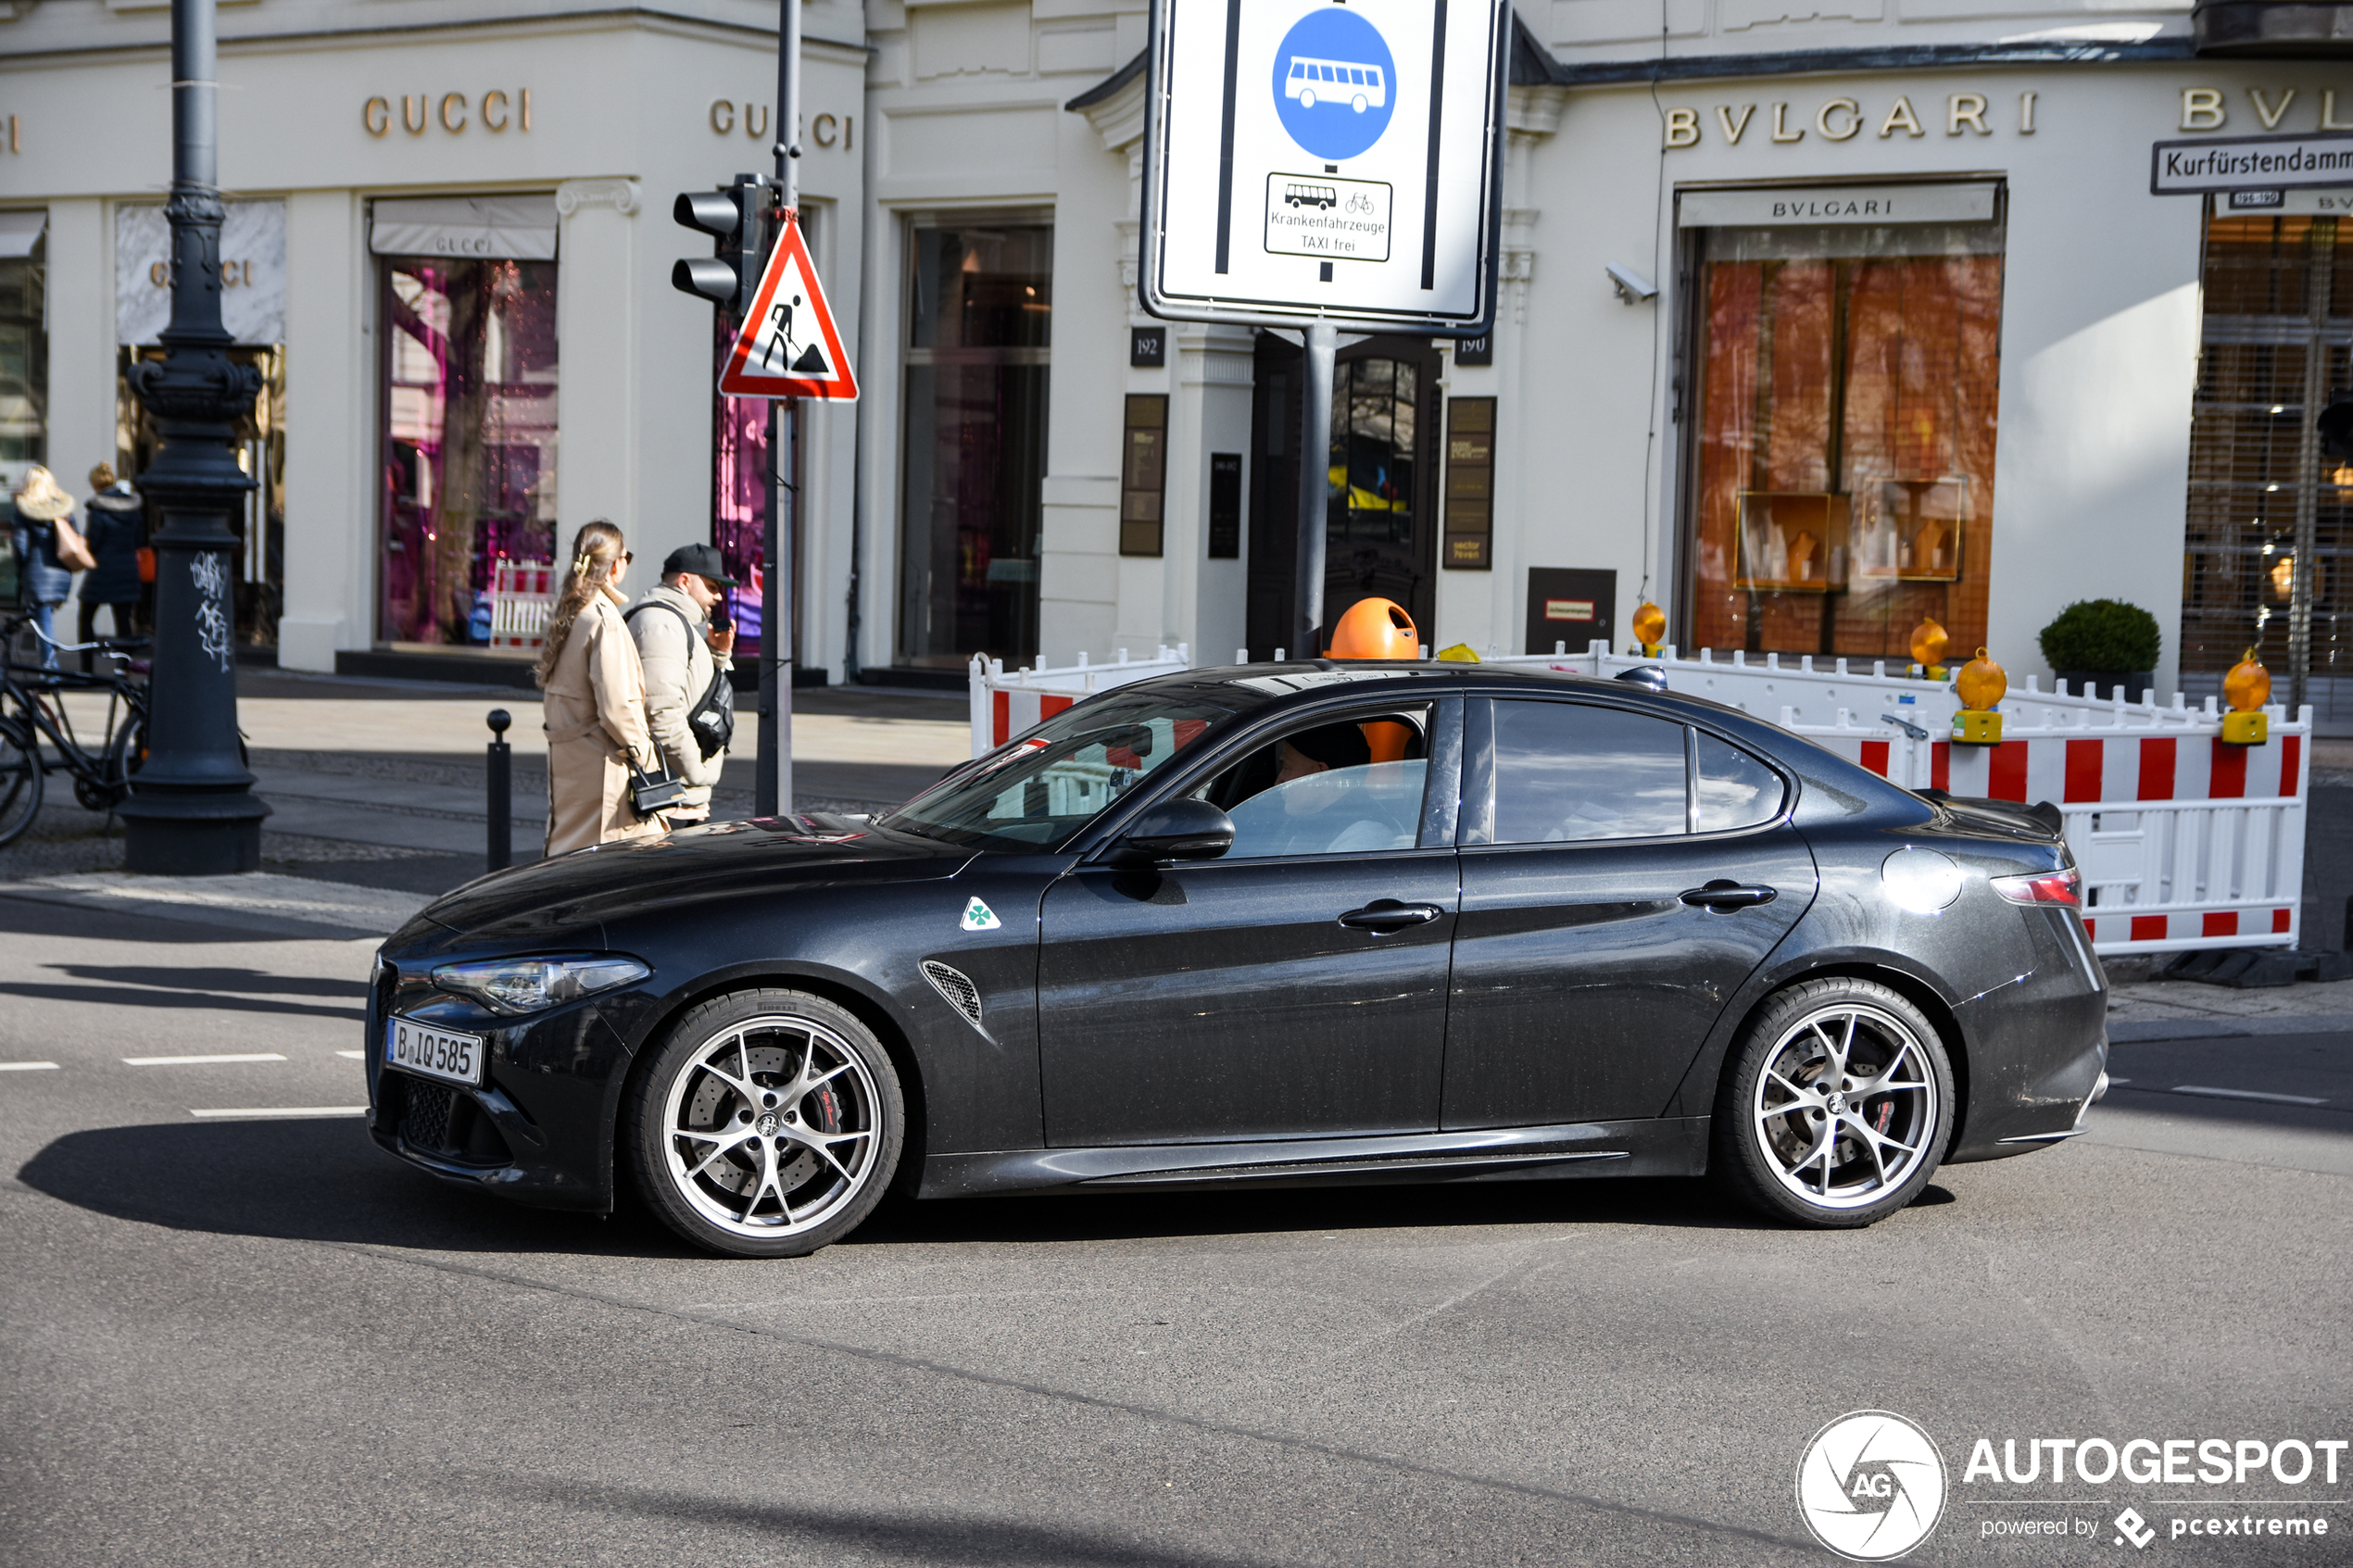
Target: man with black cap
<point>686,658</point>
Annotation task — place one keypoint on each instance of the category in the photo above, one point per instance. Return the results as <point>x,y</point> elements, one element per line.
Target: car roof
<point>1306,680</point>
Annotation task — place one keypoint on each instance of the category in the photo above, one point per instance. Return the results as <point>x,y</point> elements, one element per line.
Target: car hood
<point>633,876</point>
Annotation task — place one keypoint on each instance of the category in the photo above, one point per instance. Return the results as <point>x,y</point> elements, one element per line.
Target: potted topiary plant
<point>2097,645</point>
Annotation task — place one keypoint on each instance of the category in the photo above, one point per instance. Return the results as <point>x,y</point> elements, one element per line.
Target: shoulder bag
<point>652,794</point>
<point>70,549</point>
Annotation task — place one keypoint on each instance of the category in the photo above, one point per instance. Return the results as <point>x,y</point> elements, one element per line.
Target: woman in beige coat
<point>595,708</point>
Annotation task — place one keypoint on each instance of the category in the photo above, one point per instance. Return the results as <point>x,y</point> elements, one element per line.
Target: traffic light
<point>737,216</point>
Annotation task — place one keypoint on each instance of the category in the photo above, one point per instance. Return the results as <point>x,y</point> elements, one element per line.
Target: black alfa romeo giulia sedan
<point>1275,923</point>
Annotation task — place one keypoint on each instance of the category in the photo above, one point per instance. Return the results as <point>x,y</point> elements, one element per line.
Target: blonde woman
<point>595,709</point>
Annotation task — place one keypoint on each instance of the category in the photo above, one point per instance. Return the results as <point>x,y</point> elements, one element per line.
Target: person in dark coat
<point>45,580</point>
<point>117,528</point>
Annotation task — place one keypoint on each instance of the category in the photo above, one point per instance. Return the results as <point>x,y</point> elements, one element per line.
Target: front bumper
<point>539,1128</point>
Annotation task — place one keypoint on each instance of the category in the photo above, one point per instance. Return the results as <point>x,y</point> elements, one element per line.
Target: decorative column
<point>192,812</point>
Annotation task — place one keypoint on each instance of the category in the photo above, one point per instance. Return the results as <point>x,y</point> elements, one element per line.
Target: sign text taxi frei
<point>1307,160</point>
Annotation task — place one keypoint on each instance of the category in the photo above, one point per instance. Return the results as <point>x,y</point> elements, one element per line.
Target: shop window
<point>258,564</point>
<point>469,448</point>
<point>1841,466</point>
<point>24,361</point>
<point>2262,496</point>
<point>1470,481</point>
<point>1143,473</point>
<point>741,492</point>
<point>979,312</point>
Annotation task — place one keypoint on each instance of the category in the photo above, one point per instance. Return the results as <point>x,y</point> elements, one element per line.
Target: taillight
<point>2048,888</point>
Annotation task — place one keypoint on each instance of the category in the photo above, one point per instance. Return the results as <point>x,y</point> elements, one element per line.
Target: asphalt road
<point>239,1338</point>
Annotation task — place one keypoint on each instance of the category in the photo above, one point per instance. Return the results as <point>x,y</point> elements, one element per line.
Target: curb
<point>257,903</point>
<point>2142,1030</point>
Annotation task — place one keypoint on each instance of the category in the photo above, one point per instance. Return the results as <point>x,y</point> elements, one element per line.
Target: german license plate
<point>437,1053</point>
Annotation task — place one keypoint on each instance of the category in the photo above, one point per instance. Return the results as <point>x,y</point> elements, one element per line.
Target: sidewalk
<point>381,783</point>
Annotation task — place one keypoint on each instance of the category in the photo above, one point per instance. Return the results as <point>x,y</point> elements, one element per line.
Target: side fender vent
<point>957,986</point>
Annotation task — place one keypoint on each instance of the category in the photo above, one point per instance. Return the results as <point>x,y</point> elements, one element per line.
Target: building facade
<point>1816,321</point>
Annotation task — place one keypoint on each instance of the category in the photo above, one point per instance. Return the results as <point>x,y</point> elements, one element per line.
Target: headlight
<point>530,985</point>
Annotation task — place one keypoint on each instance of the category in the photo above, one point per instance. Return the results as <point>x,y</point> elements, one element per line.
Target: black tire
<point>1851,1057</point>
<point>815,1162</point>
<point>21,783</point>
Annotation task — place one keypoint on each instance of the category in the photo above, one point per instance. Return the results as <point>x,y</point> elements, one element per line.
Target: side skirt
<point>1663,1146</point>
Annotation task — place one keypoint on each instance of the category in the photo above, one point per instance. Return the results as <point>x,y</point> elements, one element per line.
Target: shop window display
<point>257,562</point>
<point>2272,354</point>
<point>24,380</point>
<point>468,448</point>
<point>1842,477</point>
<point>980,313</point>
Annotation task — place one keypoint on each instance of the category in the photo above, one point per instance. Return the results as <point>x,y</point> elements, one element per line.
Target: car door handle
<point>1725,896</point>
<point>1387,914</point>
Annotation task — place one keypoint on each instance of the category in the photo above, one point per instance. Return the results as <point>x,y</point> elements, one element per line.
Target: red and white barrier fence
<point>2182,841</point>
<point>1004,703</point>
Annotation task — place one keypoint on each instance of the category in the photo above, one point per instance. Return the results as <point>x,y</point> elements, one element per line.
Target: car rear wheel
<point>767,1126</point>
<point>1836,1105</point>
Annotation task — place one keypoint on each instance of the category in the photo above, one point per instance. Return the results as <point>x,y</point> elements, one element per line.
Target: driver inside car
<point>1321,792</point>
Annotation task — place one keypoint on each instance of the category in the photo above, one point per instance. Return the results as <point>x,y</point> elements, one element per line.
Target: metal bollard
<point>501,810</point>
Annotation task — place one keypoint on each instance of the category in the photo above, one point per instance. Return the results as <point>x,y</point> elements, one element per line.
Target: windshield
<point>1037,792</point>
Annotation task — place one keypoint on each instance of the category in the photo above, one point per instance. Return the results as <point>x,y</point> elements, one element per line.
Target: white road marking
<point>28,1066</point>
<point>197,1061</point>
<point>2245,1093</point>
<point>355,1056</point>
<point>286,1111</point>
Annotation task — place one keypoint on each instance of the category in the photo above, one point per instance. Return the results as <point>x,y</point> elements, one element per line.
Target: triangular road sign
<point>790,348</point>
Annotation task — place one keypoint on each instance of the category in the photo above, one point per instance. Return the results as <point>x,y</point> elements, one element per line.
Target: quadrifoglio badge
<point>1873,1484</point>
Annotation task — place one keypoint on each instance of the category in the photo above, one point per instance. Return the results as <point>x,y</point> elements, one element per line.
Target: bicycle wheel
<point>128,753</point>
<point>21,783</point>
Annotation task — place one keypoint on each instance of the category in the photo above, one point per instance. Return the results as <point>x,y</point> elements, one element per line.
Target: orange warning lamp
<point>1928,643</point>
<point>1650,627</point>
<point>2246,688</point>
<point>1980,685</point>
<point>1375,629</point>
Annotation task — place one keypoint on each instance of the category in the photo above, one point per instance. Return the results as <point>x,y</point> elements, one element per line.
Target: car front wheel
<point>1836,1107</point>
<point>767,1126</point>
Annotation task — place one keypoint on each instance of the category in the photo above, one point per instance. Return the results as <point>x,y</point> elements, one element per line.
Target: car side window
<point>1344,786</point>
<point>1566,771</point>
<point>1735,789</point>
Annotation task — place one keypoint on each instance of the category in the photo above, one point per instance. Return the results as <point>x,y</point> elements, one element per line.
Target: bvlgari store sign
<point>1766,206</point>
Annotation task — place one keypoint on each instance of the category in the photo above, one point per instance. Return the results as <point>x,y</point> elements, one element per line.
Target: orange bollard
<point>1378,629</point>
<point>1375,629</point>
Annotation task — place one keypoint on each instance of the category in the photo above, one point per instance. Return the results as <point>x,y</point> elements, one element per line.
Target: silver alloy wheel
<point>1846,1107</point>
<point>768,1130</point>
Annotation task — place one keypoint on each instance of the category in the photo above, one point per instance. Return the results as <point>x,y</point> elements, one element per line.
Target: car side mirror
<point>1175,830</point>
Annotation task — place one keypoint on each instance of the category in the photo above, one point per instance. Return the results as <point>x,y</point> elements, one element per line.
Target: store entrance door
<point>1381,495</point>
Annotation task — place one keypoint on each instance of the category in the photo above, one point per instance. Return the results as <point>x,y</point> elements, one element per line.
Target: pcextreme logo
<point>1871,1485</point>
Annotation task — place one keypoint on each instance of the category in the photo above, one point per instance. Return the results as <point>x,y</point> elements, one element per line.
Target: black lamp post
<point>192,810</point>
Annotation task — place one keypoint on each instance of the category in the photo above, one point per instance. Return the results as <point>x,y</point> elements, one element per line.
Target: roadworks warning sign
<point>789,346</point>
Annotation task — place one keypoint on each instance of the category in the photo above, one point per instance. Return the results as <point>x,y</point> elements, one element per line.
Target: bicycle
<point>33,707</point>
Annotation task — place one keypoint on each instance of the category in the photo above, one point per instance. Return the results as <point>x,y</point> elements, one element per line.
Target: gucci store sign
<point>253,273</point>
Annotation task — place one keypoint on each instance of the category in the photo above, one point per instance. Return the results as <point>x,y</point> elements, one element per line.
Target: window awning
<point>20,231</point>
<point>1866,206</point>
<point>520,228</point>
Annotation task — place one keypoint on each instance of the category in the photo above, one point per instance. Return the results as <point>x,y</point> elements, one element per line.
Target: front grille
<point>957,986</point>
<point>424,1116</point>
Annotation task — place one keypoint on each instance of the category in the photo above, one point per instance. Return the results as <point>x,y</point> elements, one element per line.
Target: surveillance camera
<point>1632,286</point>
